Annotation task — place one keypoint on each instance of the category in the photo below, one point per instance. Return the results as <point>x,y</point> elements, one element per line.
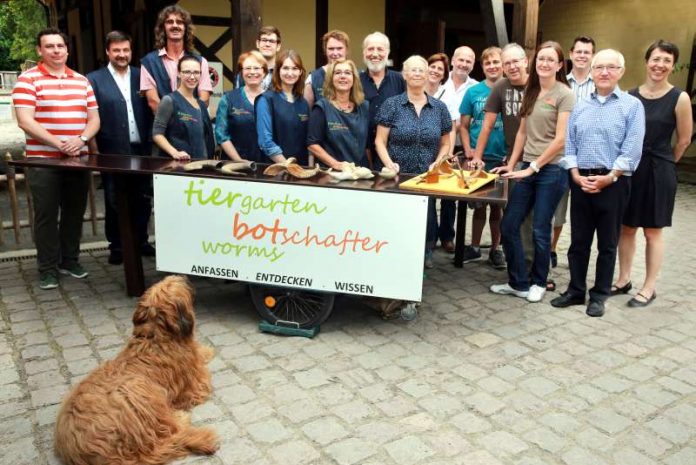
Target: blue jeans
<point>448,212</point>
<point>541,192</point>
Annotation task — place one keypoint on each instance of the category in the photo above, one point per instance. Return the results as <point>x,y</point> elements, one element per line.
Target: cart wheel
<point>304,308</point>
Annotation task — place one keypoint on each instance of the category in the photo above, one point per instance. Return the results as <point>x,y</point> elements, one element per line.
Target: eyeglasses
<point>190,73</point>
<point>266,40</point>
<point>517,62</point>
<point>343,73</point>
<point>608,68</point>
<point>252,68</point>
<point>546,60</point>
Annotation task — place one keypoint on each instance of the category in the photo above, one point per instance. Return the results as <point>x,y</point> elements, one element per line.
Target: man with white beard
<point>379,83</point>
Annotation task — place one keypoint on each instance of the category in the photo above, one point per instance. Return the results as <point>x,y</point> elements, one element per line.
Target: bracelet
<point>534,167</point>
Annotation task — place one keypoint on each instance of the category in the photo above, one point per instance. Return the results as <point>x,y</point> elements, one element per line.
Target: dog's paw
<point>203,441</point>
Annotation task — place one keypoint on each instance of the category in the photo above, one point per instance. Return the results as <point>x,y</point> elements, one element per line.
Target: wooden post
<point>246,21</point>
<point>525,24</point>
<point>494,22</point>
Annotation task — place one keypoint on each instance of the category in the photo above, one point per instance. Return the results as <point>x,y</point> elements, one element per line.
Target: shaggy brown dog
<point>130,410</point>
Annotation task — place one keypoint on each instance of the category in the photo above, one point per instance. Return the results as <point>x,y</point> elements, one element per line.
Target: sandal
<point>616,290</point>
<point>640,303</point>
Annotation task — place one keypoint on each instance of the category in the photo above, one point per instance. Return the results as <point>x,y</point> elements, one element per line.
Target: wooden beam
<point>494,22</point>
<point>525,24</point>
<point>246,21</point>
<point>321,27</point>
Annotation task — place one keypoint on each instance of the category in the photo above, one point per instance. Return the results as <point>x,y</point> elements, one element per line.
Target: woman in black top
<point>654,183</point>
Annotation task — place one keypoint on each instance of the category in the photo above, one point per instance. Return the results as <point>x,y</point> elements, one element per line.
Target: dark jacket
<point>153,64</point>
<point>113,134</point>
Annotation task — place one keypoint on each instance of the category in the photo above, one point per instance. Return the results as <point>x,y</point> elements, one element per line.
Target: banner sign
<point>333,240</point>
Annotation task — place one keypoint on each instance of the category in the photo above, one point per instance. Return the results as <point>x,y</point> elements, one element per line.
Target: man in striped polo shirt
<point>57,110</point>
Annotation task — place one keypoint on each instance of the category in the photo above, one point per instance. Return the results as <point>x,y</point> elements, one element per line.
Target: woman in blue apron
<point>282,114</point>
<point>235,127</point>
<point>338,122</point>
<point>182,128</point>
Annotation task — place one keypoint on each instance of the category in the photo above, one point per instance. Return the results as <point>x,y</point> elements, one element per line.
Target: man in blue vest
<point>116,88</point>
<point>174,34</point>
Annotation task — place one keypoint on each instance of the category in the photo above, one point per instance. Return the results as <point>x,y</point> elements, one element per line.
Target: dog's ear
<point>142,321</point>
<point>185,322</point>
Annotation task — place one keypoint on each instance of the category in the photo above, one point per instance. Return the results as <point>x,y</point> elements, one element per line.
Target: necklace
<point>344,107</point>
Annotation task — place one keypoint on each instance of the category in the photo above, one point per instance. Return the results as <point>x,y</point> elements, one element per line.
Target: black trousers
<point>601,213</point>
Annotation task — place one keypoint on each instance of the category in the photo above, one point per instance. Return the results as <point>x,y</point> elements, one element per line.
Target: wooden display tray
<point>448,183</point>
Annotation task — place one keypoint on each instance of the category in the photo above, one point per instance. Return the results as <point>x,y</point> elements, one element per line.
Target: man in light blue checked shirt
<point>604,142</point>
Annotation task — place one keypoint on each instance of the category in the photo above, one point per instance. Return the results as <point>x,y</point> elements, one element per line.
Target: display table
<point>495,193</point>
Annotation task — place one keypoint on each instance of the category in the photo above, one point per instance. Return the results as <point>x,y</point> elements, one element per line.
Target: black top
<point>660,123</point>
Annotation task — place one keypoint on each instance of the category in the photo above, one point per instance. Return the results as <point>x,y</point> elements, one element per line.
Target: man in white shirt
<point>463,60</point>
<point>116,88</point>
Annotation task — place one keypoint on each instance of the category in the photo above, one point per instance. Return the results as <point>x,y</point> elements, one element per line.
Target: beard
<point>375,67</point>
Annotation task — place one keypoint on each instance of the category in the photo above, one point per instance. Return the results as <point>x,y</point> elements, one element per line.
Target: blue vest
<point>290,121</point>
<point>318,78</point>
<point>153,64</point>
<point>189,128</point>
<point>241,125</point>
<point>113,136</point>
<point>346,133</point>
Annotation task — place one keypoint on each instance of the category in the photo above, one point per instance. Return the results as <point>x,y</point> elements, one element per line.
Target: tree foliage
<point>20,21</point>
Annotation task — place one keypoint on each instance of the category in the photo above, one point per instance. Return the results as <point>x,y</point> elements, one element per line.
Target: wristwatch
<point>614,177</point>
<point>84,139</point>
<point>534,167</point>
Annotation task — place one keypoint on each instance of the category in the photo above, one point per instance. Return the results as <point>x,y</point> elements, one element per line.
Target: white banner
<point>334,240</point>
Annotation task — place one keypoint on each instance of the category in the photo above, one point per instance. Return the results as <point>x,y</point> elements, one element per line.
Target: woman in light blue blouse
<point>235,127</point>
<point>413,132</point>
<point>282,114</point>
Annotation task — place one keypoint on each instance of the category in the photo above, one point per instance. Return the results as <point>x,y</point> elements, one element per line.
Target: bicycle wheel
<point>298,307</point>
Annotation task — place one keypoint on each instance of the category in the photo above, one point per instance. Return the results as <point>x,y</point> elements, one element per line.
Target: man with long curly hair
<point>173,39</point>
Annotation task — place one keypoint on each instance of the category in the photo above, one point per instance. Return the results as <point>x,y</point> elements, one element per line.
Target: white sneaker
<point>505,289</point>
<point>536,293</point>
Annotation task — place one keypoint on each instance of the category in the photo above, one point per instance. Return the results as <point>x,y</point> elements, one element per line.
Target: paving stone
<point>409,449</point>
<point>39,366</point>
<point>671,430</point>
<point>546,439</point>
<point>268,431</point>
<point>686,456</point>
<point>312,378</point>
<point>484,403</point>
<point>470,423</point>
<point>633,457</point>
<point>354,411</point>
<point>350,451</point>
<point>20,452</point>
<point>503,442</point>
<point>578,456</point>
<point>325,430</point>
<point>539,386</point>
<point>294,452</point>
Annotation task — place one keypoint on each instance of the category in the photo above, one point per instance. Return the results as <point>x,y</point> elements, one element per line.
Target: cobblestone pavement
<point>475,379</point>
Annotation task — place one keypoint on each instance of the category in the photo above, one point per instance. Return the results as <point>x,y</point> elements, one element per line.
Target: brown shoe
<point>448,246</point>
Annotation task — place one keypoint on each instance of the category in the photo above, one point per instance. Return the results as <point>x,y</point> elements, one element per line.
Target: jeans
<point>58,194</point>
<point>541,192</point>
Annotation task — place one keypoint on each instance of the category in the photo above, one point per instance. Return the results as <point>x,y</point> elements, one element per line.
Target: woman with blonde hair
<point>338,122</point>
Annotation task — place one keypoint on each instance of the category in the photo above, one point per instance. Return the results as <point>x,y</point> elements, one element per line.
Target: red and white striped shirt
<point>60,105</point>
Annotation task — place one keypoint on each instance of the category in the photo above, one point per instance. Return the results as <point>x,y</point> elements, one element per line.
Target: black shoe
<point>616,290</point>
<point>147,250</point>
<point>554,260</point>
<point>566,300</point>
<point>595,308</point>
<point>641,303</point>
<point>115,257</point>
<point>471,254</point>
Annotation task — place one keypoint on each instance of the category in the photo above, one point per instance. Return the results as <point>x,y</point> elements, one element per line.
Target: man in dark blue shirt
<point>378,83</point>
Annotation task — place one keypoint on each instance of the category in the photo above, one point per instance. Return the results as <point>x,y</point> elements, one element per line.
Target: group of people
<point>548,131</point>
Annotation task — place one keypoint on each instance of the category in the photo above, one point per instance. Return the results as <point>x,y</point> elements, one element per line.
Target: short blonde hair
<point>489,52</point>
<point>412,61</point>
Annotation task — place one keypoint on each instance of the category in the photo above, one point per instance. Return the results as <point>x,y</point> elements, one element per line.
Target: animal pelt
<point>132,410</point>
